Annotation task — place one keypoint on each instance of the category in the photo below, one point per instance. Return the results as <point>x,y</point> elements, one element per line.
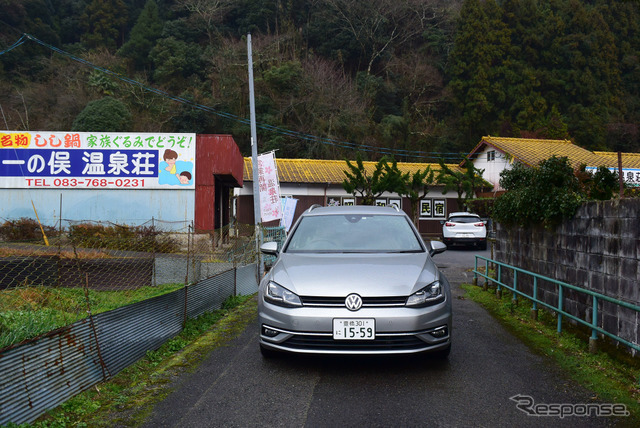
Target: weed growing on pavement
<point>127,399</point>
<point>614,379</point>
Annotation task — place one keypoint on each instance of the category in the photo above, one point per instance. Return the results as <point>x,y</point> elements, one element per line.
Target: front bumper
<point>398,330</point>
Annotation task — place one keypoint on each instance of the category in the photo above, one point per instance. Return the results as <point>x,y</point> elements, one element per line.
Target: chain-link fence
<point>51,277</point>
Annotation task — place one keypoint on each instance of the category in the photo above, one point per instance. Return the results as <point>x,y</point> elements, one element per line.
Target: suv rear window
<point>464,219</point>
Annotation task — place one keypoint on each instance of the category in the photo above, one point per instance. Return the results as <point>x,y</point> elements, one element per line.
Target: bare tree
<point>379,26</point>
<point>211,12</point>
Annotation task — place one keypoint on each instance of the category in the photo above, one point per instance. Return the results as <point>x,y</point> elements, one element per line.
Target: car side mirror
<point>441,221</point>
<point>436,247</point>
<point>269,248</point>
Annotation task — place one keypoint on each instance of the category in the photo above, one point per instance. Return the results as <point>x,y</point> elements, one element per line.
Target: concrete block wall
<point>598,250</point>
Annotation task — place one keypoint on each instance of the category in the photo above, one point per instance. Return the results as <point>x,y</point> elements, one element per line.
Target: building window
<point>491,155</point>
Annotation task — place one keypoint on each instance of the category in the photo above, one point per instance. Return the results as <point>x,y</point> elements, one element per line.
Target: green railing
<point>558,308</point>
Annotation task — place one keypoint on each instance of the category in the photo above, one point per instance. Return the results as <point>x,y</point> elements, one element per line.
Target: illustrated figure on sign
<point>173,171</point>
<point>170,157</point>
<point>184,177</point>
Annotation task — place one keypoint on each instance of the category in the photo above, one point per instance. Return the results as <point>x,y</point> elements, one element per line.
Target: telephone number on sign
<point>87,182</point>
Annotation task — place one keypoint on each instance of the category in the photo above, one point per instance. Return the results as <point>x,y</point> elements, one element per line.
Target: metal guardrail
<point>595,298</point>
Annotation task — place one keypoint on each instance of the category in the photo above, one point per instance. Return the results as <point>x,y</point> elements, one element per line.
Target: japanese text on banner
<point>269,188</point>
<point>108,160</point>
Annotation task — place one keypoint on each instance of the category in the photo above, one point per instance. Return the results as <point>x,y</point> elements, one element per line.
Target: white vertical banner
<point>289,209</point>
<point>269,188</point>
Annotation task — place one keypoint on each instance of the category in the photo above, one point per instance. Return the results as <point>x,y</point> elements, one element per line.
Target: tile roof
<point>533,151</point>
<point>629,160</point>
<point>326,171</point>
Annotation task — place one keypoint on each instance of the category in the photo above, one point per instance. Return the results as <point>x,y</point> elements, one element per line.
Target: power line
<point>230,116</point>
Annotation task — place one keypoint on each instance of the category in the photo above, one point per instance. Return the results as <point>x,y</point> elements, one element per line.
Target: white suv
<point>465,228</point>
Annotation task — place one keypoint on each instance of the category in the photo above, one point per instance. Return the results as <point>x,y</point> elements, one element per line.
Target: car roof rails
<point>396,207</point>
<point>314,206</point>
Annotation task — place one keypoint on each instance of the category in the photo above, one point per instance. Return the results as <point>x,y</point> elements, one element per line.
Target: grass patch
<point>128,398</point>
<point>27,312</point>
<point>613,378</point>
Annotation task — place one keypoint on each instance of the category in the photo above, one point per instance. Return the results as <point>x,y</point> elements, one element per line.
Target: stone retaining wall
<point>599,250</point>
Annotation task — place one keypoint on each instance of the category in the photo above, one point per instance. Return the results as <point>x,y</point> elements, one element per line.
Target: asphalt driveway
<point>487,366</point>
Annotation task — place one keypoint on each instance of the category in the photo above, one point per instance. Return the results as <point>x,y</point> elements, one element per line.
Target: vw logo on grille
<point>353,302</point>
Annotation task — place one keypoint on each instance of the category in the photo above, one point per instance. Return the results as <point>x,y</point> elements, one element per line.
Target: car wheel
<point>483,245</point>
<point>442,354</point>
<point>267,352</point>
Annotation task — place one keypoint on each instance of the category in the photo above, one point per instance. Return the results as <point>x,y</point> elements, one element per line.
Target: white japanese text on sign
<point>42,159</point>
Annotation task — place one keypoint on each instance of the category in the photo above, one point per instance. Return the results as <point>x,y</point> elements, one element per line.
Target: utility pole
<point>254,160</point>
<point>620,176</point>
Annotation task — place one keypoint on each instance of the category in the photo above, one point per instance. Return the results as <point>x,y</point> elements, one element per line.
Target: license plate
<point>465,235</point>
<point>354,328</point>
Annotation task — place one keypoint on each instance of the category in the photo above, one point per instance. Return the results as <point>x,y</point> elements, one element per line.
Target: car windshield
<point>354,234</point>
<point>464,219</point>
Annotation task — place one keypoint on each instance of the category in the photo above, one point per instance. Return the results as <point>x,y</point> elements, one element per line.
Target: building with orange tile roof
<point>314,181</point>
<point>495,154</point>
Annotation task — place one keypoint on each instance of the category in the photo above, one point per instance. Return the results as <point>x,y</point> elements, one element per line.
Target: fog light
<point>269,332</point>
<point>440,332</point>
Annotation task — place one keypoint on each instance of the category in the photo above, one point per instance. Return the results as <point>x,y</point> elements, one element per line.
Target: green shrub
<point>601,185</point>
<point>104,115</point>
<point>543,195</point>
<point>481,206</point>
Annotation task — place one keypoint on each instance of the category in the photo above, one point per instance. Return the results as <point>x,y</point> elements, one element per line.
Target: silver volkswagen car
<point>354,280</point>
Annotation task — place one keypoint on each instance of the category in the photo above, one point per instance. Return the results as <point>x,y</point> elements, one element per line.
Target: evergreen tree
<point>466,183</point>
<point>478,68</point>
<point>623,19</point>
<point>525,107</point>
<point>415,187</point>
<point>143,36</point>
<point>68,19</point>
<point>25,16</point>
<point>581,72</point>
<point>104,115</point>
<point>174,61</point>
<point>369,187</point>
<point>105,22</point>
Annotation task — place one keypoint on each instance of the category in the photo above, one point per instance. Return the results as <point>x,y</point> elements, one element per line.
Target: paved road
<point>235,387</point>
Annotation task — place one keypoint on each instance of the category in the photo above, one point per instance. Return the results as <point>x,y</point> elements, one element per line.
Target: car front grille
<point>367,302</point>
<point>380,343</point>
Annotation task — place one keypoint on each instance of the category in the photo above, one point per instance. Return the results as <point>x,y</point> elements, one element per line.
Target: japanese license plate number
<point>354,328</point>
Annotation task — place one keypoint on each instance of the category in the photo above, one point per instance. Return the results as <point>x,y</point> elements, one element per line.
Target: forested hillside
<point>418,79</point>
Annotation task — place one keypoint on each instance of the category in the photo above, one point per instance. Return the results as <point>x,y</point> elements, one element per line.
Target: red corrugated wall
<point>218,159</point>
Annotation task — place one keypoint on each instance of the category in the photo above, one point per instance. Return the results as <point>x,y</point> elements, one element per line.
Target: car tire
<point>483,245</point>
<point>442,354</point>
<point>268,352</point>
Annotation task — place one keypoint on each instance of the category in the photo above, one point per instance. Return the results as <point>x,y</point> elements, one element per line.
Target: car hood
<point>337,275</point>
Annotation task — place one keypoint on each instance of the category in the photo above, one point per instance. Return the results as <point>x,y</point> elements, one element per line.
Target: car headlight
<point>429,295</point>
<point>279,295</point>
